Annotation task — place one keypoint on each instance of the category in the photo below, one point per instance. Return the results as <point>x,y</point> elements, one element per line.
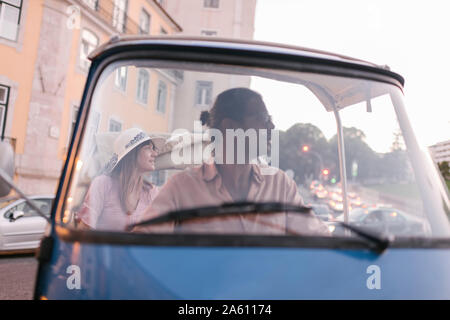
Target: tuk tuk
<point>192,236</point>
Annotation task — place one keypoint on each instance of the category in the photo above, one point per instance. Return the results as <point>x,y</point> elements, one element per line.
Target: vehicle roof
<point>235,44</point>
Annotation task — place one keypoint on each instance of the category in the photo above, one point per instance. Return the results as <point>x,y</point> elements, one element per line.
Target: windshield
<point>165,137</point>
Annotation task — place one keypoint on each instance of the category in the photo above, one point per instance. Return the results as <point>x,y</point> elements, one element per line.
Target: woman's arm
<point>83,226</point>
<point>163,202</point>
<point>93,204</point>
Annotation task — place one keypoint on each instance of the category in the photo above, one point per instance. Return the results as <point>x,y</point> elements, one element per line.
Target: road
<point>17,277</point>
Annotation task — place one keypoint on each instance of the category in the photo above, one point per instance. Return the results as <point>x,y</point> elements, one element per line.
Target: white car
<point>21,228</point>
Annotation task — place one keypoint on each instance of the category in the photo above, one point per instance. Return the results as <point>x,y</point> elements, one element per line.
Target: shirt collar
<point>210,172</point>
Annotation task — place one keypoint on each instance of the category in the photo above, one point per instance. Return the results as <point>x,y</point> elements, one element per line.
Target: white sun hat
<point>126,141</point>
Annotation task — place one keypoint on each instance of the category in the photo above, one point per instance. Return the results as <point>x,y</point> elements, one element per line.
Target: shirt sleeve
<point>93,204</point>
<point>165,201</point>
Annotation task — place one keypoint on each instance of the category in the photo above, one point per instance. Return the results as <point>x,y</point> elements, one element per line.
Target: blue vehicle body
<point>233,267</point>
<point>137,272</point>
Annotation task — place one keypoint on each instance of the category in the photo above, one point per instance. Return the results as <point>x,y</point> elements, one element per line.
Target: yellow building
<point>44,46</point>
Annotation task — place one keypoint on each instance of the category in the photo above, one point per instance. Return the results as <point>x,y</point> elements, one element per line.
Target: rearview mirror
<point>7,165</point>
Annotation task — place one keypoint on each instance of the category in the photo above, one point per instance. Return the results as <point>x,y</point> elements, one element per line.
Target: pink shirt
<point>202,186</point>
<point>102,209</point>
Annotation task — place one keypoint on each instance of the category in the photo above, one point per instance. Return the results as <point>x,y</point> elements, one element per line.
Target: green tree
<point>445,169</point>
<point>303,163</point>
<point>357,150</point>
<point>395,166</point>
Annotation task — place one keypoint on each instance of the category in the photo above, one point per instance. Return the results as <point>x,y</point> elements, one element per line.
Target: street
<point>17,277</point>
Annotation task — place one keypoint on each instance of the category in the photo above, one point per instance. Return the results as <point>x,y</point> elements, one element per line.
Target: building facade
<point>441,151</point>
<point>44,46</point>
<point>209,18</point>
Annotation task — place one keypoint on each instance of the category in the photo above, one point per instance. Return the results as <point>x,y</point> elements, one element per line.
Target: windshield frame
<point>239,241</point>
<point>223,56</point>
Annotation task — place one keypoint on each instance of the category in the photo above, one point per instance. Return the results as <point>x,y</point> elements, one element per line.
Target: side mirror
<point>16,215</point>
<point>7,165</point>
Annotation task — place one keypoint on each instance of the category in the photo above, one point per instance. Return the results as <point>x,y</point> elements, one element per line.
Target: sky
<point>411,37</point>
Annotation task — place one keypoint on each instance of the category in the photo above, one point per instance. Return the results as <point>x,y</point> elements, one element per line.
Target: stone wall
<point>38,168</point>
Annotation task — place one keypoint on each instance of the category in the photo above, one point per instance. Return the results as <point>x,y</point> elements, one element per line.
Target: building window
<point>144,22</point>
<point>163,31</point>
<point>203,93</point>
<point>142,86</point>
<point>120,15</point>
<point>89,42</point>
<point>10,11</point>
<point>93,4</point>
<point>161,98</point>
<point>121,78</point>
<point>208,33</point>
<point>211,3</point>
<point>4,97</point>
<point>114,126</point>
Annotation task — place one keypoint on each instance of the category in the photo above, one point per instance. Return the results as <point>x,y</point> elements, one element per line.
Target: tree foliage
<point>392,166</point>
<point>445,169</point>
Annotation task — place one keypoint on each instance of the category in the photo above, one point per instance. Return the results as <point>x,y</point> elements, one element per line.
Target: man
<point>213,184</point>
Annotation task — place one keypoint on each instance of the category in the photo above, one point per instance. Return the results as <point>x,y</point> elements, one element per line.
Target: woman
<point>118,198</point>
<point>213,184</point>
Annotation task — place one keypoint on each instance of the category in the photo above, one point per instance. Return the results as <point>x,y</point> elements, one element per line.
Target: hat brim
<point>158,142</point>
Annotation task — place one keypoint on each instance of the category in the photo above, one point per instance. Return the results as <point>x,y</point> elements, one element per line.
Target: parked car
<point>388,220</point>
<point>234,249</point>
<point>21,228</point>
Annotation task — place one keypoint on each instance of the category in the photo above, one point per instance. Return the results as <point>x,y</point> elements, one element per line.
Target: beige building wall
<point>43,68</point>
<point>123,106</point>
<point>231,19</point>
<point>17,59</point>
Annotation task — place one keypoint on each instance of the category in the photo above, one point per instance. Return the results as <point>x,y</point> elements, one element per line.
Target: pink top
<point>202,186</point>
<point>102,209</point>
